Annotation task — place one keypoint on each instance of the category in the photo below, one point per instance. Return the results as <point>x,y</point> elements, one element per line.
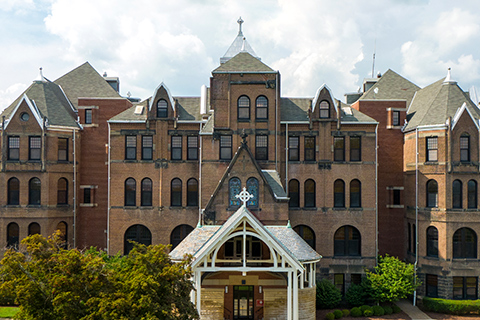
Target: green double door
<point>243,302</point>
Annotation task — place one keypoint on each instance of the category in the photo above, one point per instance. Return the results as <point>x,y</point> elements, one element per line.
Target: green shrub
<point>346,312</point>
<point>396,309</point>
<point>365,307</point>
<point>378,311</point>
<point>457,307</point>
<point>338,314</point>
<point>330,316</point>
<point>356,295</point>
<point>356,312</point>
<point>328,296</point>
<point>388,310</point>
<point>368,312</point>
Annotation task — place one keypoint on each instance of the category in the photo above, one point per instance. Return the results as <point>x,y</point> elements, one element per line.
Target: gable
<point>324,94</point>
<point>162,93</point>
<point>17,122</point>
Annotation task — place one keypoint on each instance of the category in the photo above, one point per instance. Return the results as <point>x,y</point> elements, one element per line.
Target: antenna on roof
<point>374,50</point>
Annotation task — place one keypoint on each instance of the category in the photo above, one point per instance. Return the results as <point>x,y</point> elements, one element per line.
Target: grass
<point>8,312</point>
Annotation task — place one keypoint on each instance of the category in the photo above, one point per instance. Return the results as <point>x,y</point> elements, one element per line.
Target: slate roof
<point>129,115</point>
<point>433,105</point>
<point>348,114</point>
<point>391,86</point>
<point>295,109</point>
<point>85,82</point>
<point>273,179</point>
<point>243,62</point>
<point>197,241</point>
<point>50,101</point>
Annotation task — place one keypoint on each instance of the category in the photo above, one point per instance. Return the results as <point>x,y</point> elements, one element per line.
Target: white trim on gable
<point>459,113</point>
<point>33,108</point>
<point>170,97</point>
<point>332,96</point>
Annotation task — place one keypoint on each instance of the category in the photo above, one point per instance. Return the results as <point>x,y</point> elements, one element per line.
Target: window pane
<point>162,110</point>
<point>146,192</point>
<point>62,149</point>
<point>176,148</point>
<point>130,147</point>
<point>294,194</point>
<point>147,147</point>
<point>309,148</point>
<point>192,192</point>
<point>472,194</point>
<point>464,148</point>
<point>13,148</point>
<point>262,107</point>
<point>243,108</point>
<point>225,147</point>
<point>261,147</point>
<point>293,148</point>
<point>355,154</point>
<point>192,145</point>
<point>176,193</point>
<point>432,148</point>
<point>88,116</point>
<point>324,109</point>
<point>130,192</point>
<point>339,148</point>
<point>234,186</point>
<point>35,148</point>
<point>13,191</point>
<point>34,191</point>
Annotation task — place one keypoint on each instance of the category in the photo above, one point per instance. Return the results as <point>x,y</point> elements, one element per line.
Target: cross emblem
<point>244,196</point>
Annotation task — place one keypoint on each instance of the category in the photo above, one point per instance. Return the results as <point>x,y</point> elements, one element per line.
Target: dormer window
<point>243,108</point>
<point>162,108</point>
<point>324,109</point>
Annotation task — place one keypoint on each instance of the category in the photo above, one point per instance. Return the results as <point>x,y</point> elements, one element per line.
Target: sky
<point>179,42</point>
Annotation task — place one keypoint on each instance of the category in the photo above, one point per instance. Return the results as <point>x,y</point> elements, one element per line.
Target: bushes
<point>338,314</point>
<point>346,312</point>
<point>388,310</point>
<point>356,295</point>
<point>378,311</point>
<point>356,312</point>
<point>368,313</point>
<point>457,307</point>
<point>396,309</point>
<point>330,316</point>
<point>328,296</point>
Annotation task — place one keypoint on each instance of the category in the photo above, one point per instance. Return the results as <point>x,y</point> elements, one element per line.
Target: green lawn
<point>8,312</point>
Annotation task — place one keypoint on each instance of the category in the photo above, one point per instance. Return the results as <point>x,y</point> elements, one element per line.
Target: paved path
<point>412,311</point>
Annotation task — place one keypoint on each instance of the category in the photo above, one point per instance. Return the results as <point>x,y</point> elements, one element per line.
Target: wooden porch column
<point>289,296</point>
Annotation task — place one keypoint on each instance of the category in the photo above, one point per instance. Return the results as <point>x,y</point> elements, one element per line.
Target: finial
<point>40,76</point>
<point>244,196</point>
<point>448,78</point>
<point>243,44</point>
<point>240,21</point>
<point>289,225</point>
<point>105,73</point>
<point>244,136</point>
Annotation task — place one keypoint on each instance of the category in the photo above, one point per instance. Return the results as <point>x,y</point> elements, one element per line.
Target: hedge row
<point>363,311</point>
<point>457,307</point>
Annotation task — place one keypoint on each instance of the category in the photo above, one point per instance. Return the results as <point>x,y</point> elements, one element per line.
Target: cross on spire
<point>244,196</point>
<point>240,21</point>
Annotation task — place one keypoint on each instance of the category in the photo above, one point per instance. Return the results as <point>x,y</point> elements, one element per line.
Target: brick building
<point>78,157</point>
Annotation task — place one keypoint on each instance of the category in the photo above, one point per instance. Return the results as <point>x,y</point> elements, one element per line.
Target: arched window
<point>355,194</point>
<point>136,233</point>
<point>307,234</point>
<point>146,192</point>
<point>339,194</point>
<point>243,108</point>
<point>294,193</point>
<point>162,108</point>
<point>179,233</point>
<point>130,192</point>
<point>432,242</point>
<point>62,191</point>
<point>324,109</point>
<point>13,235</point>
<point>176,193</point>
<point>347,241</point>
<point>13,192</point>
<point>465,147</point>
<point>33,228</point>
<point>465,243</point>
<point>472,194</point>
<point>457,194</point>
<point>252,188</point>
<point>309,190</point>
<point>192,192</point>
<point>234,188</point>
<point>34,191</point>
<point>63,228</point>
<point>432,194</point>
<point>261,105</point>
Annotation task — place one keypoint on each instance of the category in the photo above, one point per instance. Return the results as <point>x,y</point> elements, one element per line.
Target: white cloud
<point>9,95</point>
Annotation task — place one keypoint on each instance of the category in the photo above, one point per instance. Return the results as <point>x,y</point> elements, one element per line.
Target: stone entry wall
<point>275,304</point>
<point>212,303</point>
<point>306,304</point>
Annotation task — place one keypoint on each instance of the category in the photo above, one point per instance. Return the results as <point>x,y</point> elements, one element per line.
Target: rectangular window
<point>225,147</point>
<point>87,195</point>
<point>396,197</point>
<point>396,118</point>
<point>355,149</point>
<point>432,285</point>
<point>465,288</point>
<point>261,147</point>
<point>88,116</point>
<point>356,278</point>
<point>130,147</point>
<point>176,148</point>
<point>13,148</point>
<point>147,147</point>
<point>293,148</point>
<point>432,149</point>
<point>339,148</point>
<point>309,148</point>
<point>340,282</point>
<point>192,148</point>
<point>62,149</point>
<point>35,149</point>
<point>464,148</point>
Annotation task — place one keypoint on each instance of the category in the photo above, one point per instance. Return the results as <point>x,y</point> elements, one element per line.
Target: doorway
<point>243,302</point>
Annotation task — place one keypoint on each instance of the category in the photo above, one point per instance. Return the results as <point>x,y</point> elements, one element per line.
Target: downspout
<point>74,191</point>
<point>4,147</point>
<point>416,217</point>
<point>376,195</point>
<point>286,157</point>
<point>108,191</point>
<point>277,97</point>
<point>44,151</point>
<point>200,180</point>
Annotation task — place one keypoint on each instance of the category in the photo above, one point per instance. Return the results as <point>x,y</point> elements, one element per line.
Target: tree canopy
<point>50,282</point>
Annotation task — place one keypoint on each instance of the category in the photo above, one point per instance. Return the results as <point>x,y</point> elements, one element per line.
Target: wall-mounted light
<point>259,289</point>
<point>226,289</point>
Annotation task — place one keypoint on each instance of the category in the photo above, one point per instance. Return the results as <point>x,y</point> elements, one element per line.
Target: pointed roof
<point>85,82</point>
<point>391,86</point>
<point>434,104</point>
<point>203,240</point>
<point>243,62</point>
<point>240,44</point>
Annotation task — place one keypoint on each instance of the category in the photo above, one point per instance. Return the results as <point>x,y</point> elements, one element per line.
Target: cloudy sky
<point>179,42</point>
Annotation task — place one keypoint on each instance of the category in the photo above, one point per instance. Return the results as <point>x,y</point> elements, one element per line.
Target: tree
<point>392,280</point>
<point>50,282</point>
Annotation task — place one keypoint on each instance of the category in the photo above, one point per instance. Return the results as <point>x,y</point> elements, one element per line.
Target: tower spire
<point>240,21</point>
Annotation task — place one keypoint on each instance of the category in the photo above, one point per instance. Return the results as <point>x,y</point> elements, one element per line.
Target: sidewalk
<point>413,312</point>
